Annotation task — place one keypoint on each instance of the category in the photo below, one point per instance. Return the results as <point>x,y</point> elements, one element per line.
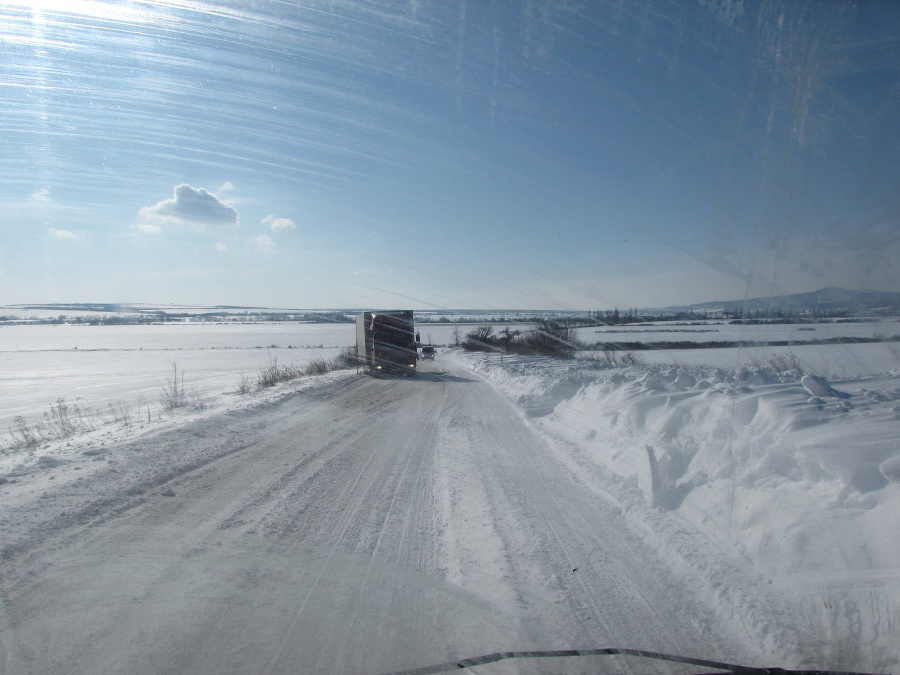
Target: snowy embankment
<point>774,493</point>
<point>32,473</point>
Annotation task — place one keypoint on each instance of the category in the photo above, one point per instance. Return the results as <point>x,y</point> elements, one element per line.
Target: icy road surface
<point>359,527</point>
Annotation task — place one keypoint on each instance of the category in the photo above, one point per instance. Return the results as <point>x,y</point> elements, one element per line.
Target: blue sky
<point>424,154</point>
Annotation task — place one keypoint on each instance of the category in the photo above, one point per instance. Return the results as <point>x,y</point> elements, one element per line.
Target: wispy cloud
<point>221,247</point>
<point>277,223</point>
<point>146,228</point>
<point>61,234</point>
<point>190,206</point>
<point>40,195</point>
<point>264,242</point>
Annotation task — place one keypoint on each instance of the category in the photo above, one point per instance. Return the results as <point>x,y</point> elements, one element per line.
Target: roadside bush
<point>25,434</point>
<point>549,338</point>
<point>632,359</point>
<point>781,363</point>
<point>347,358</point>
<point>174,394</point>
<point>120,411</point>
<point>272,374</point>
<point>64,420</point>
<point>61,421</point>
<point>172,391</point>
<point>245,384</point>
<point>481,340</point>
<point>318,367</point>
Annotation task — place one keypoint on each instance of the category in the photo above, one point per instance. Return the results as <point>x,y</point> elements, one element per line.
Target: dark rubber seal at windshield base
<point>724,668</point>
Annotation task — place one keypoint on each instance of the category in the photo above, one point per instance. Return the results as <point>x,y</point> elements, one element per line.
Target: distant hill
<point>825,300</point>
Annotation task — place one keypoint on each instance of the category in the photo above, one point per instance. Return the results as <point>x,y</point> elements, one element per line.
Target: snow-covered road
<point>361,526</point>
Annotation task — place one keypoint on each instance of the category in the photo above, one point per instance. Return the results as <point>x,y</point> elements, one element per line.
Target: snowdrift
<point>775,494</point>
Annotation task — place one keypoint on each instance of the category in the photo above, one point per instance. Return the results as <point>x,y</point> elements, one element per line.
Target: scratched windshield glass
<point>352,336</point>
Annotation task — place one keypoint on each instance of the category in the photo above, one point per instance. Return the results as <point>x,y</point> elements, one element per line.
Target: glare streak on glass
<point>159,76</point>
<point>718,140</point>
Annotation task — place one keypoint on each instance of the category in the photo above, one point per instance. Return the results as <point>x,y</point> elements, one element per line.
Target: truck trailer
<point>386,341</point>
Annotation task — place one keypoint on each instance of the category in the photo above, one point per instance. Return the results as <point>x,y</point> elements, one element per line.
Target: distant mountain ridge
<point>829,299</point>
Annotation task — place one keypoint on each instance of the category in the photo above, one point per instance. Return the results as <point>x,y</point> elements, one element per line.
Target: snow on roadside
<point>773,493</point>
<point>28,473</point>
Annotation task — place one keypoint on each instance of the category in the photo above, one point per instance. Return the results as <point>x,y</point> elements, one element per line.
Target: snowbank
<point>774,493</point>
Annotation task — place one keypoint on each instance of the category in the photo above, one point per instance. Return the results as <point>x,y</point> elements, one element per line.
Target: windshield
<point>650,250</point>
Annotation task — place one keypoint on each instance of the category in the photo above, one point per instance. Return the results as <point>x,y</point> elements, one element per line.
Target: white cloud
<point>277,223</point>
<point>61,234</point>
<point>264,242</point>
<point>226,186</point>
<point>190,206</point>
<point>220,247</point>
<point>146,228</point>
<point>41,195</point>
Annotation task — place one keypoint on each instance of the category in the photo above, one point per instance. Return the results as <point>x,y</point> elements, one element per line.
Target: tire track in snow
<point>552,528</point>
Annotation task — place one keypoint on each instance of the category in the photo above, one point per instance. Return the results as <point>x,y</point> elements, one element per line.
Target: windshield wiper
<point>723,668</point>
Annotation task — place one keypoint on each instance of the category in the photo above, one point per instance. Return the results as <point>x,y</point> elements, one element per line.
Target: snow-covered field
<point>767,477</point>
<point>95,367</point>
<point>99,367</point>
<point>717,331</point>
